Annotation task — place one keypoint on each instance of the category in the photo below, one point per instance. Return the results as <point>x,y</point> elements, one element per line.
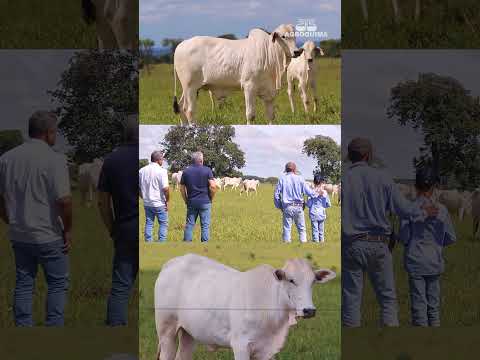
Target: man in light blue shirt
<point>290,198</point>
<point>423,254</point>
<point>369,196</point>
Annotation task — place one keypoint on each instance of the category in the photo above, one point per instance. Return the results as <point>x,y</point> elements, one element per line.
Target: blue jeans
<point>425,300</point>
<point>162,215</point>
<point>294,214</point>
<point>317,230</point>
<point>374,259</point>
<point>125,270</point>
<point>193,212</point>
<point>55,267</point>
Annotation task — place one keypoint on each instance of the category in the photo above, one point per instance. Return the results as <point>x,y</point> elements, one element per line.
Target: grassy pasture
<point>246,232</point>
<point>156,100</point>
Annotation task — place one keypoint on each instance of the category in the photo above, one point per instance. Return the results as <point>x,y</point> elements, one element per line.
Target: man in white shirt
<point>153,182</point>
<point>36,203</point>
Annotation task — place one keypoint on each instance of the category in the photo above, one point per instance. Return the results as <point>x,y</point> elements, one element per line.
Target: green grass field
<point>90,275</point>
<point>156,99</point>
<point>246,232</point>
<point>56,24</point>
<point>433,30</point>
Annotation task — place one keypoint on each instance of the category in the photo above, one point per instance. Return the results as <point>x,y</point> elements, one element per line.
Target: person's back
<point>34,177</point>
<point>196,180</point>
<point>291,189</point>
<point>318,204</point>
<point>151,181</point>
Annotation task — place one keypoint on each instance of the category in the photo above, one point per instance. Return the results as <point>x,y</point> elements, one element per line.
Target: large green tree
<point>447,115</point>
<point>221,153</point>
<point>327,154</point>
<point>146,53</point>
<point>94,96</point>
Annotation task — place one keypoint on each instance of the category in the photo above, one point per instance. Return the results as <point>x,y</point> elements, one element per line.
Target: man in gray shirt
<point>36,203</point>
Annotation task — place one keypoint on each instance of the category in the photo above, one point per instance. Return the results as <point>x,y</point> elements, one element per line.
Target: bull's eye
<point>292,281</point>
<point>284,37</point>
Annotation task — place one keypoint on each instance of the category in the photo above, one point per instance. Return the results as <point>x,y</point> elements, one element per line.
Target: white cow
<point>455,201</point>
<point>396,10</point>
<point>476,213</point>
<point>331,189</point>
<point>255,65</point>
<point>219,183</point>
<point>202,301</point>
<point>88,176</point>
<point>233,182</point>
<point>249,185</point>
<point>302,68</point>
<point>176,179</point>
<point>116,22</point>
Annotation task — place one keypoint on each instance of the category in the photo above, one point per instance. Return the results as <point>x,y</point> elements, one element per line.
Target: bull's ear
<point>274,36</point>
<point>324,275</point>
<point>318,51</point>
<point>280,274</point>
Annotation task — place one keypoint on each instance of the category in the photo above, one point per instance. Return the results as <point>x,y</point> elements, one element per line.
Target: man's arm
<point>65,210</point>
<point>183,192</point>
<point>106,211</point>
<point>166,191</point>
<point>212,188</point>
<point>277,196</point>
<point>3,210</point>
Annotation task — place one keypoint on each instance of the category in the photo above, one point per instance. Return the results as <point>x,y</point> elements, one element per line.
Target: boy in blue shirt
<point>423,260</point>
<point>317,206</point>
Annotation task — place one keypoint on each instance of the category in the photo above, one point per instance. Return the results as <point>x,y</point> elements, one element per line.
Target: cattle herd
<point>255,65</point>
<point>459,203</point>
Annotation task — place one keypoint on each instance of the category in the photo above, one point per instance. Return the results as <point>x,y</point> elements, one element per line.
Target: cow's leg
<point>396,10</point>
<point>241,351</point>
<point>121,18</point>
<point>417,9</point>
<point>269,110</point>
<point>186,346</point>
<point>212,101</point>
<point>190,99</point>
<point>313,85</point>
<point>249,102</point>
<point>364,9</point>
<point>303,90</point>
<point>290,94</point>
<point>105,35</point>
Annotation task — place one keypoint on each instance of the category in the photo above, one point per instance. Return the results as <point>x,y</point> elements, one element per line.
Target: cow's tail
<point>89,10</point>
<point>176,107</point>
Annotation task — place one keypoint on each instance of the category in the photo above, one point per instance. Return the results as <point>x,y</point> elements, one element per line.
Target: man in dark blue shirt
<point>118,185</point>
<point>198,188</point>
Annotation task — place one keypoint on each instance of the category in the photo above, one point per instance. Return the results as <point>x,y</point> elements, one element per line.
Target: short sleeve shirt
<point>196,180</point>
<point>153,180</point>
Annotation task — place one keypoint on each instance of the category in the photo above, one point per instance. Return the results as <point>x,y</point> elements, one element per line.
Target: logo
<point>308,28</point>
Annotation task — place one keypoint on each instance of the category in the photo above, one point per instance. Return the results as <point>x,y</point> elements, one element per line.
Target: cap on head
<point>358,148</point>
<point>425,178</point>
<point>290,167</point>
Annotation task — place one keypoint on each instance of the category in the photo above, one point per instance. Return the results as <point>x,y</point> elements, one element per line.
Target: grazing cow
<point>219,183</point>
<point>255,65</point>
<point>302,68</point>
<point>396,10</point>
<point>116,22</point>
<point>202,301</point>
<point>476,213</point>
<point>176,179</point>
<point>88,175</point>
<point>233,182</point>
<point>249,185</point>
<point>454,201</point>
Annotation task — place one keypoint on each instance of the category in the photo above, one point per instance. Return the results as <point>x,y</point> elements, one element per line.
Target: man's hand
<point>67,241</point>
<point>166,206</point>
<point>430,210</point>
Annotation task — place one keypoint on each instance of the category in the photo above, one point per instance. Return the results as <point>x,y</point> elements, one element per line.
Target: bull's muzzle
<point>297,53</point>
<point>310,61</point>
<point>309,313</point>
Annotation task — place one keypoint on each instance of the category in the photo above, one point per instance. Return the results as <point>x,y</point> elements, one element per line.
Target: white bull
<point>331,189</point>
<point>202,301</point>
<point>116,22</point>
<point>302,69</point>
<point>233,182</point>
<point>396,9</point>
<point>88,176</point>
<point>255,65</point>
<point>219,183</point>
<point>455,201</point>
<point>249,185</point>
<point>176,179</point>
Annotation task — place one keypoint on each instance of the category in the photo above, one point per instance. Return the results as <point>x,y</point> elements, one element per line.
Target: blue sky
<point>267,148</point>
<point>368,76</point>
<point>186,18</point>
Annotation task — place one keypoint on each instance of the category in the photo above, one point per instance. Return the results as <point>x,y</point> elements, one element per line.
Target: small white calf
<point>302,68</point>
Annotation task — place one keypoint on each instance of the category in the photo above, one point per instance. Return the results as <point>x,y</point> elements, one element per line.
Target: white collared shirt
<point>32,178</point>
<point>153,180</point>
